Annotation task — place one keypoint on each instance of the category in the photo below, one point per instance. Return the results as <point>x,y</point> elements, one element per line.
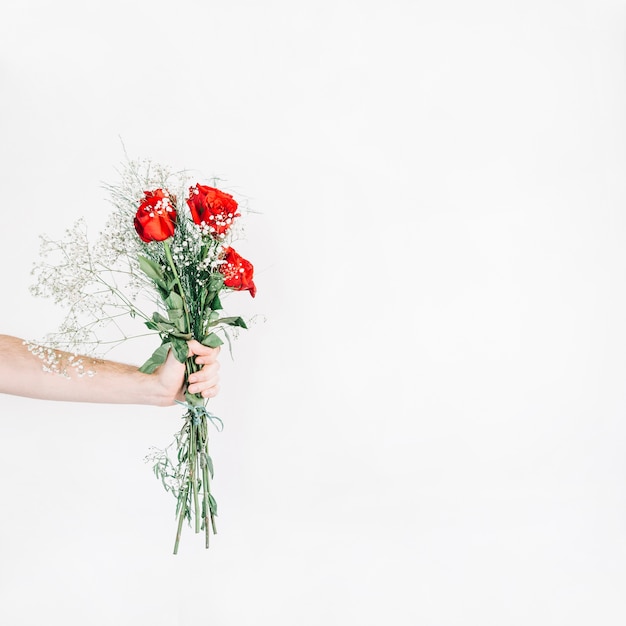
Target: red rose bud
<point>156,216</point>
<point>237,272</point>
<point>212,208</point>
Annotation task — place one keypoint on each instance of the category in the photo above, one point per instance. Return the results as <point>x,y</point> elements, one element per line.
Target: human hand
<point>206,381</point>
<point>171,375</point>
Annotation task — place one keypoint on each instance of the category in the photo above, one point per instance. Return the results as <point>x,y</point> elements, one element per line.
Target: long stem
<point>193,461</point>
<point>181,518</point>
<point>131,305</point>
<point>205,503</point>
<point>181,293</point>
<point>207,486</point>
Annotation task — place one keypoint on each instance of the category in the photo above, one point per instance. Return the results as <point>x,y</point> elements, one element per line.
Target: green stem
<point>205,504</point>
<point>181,293</point>
<point>181,518</point>
<point>130,305</point>
<point>193,462</point>
<point>207,487</point>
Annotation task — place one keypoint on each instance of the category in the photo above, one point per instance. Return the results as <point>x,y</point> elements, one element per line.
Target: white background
<point>429,427</point>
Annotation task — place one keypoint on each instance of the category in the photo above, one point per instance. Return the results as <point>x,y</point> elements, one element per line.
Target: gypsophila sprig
<point>164,257</point>
<point>97,295</point>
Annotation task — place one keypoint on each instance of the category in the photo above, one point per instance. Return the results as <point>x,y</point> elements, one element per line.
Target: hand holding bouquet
<point>171,241</point>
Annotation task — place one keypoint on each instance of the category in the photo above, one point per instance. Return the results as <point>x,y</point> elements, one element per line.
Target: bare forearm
<point>22,373</point>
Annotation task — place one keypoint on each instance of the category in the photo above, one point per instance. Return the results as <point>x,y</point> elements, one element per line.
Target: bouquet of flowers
<point>168,243</point>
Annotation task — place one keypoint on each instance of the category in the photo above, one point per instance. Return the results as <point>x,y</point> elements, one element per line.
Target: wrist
<point>152,391</point>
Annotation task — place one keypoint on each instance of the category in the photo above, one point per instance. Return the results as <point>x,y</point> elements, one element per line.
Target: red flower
<point>237,272</point>
<point>213,208</point>
<point>156,216</point>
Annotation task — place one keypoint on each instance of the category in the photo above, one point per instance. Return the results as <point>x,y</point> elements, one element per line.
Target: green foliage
<point>212,505</point>
<point>216,305</point>
<point>212,341</point>
<point>229,321</point>
<point>167,326</point>
<point>153,271</point>
<point>157,359</point>
<point>180,348</point>
<point>216,282</point>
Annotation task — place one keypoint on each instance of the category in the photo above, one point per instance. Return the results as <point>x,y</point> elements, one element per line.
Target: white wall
<point>429,428</point>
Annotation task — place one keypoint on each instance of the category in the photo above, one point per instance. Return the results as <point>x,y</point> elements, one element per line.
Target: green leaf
<point>159,319</point>
<point>231,321</point>
<point>151,325</point>
<point>230,343</point>
<point>157,359</point>
<point>175,314</point>
<point>216,282</point>
<point>163,325</point>
<point>180,348</point>
<point>209,464</point>
<point>174,301</point>
<point>152,270</point>
<point>178,318</point>
<point>212,341</point>
<point>216,305</point>
<point>167,327</point>
<point>212,504</point>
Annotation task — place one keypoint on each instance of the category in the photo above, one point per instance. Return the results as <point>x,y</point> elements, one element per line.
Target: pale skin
<point>22,374</point>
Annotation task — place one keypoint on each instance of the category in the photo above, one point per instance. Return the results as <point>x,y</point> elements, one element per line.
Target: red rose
<point>213,208</point>
<point>237,272</point>
<point>156,216</point>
